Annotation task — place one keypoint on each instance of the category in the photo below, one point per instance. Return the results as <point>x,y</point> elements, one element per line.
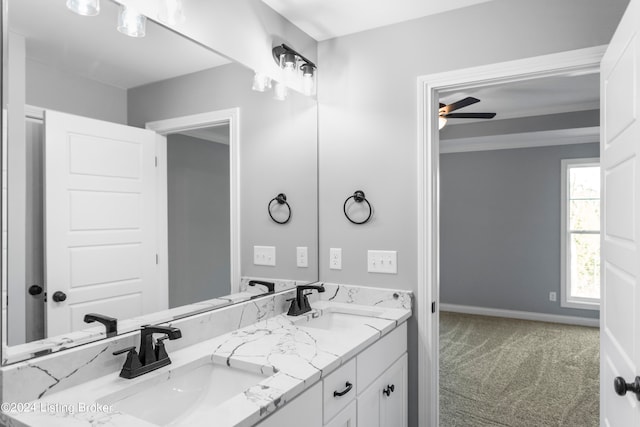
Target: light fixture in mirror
<point>181,213</point>
<point>131,22</point>
<point>261,82</point>
<point>280,91</point>
<point>84,7</point>
<point>172,12</point>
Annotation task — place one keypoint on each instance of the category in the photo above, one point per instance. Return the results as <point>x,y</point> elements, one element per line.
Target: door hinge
<point>433,307</point>
<point>157,259</point>
<point>156,161</point>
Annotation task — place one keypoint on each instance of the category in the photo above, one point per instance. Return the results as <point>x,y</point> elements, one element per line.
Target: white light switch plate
<point>264,255</point>
<point>302,256</point>
<point>335,258</point>
<point>382,262</point>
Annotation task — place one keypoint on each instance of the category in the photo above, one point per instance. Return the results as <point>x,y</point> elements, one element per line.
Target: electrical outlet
<point>382,262</point>
<point>264,255</point>
<point>302,256</point>
<point>552,296</point>
<point>335,259</point>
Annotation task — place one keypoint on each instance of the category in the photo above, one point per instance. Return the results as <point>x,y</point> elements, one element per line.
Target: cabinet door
<point>378,405</point>
<point>393,403</point>
<point>305,410</point>
<point>346,418</point>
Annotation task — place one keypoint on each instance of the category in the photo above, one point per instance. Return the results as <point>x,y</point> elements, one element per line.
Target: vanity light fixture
<point>261,82</point>
<point>295,67</point>
<point>84,7</point>
<point>131,22</point>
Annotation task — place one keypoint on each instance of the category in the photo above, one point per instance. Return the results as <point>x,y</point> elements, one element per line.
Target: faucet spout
<point>300,304</point>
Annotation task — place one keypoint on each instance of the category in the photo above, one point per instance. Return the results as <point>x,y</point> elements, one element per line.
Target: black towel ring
<point>281,199</point>
<point>358,197</point>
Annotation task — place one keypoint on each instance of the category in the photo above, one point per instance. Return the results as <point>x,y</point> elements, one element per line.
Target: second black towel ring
<point>280,199</point>
<point>358,197</point>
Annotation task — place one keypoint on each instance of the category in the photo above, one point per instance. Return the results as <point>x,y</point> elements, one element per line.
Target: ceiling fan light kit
<point>447,111</point>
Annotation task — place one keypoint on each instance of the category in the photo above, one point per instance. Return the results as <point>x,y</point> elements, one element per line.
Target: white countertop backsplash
<point>253,335</point>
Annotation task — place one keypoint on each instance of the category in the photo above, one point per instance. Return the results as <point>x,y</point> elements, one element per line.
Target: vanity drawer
<point>376,359</point>
<point>342,381</point>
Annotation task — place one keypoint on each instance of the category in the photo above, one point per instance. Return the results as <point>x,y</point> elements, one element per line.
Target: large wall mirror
<point>139,175</point>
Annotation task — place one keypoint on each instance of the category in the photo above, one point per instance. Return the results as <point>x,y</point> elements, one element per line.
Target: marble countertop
<point>290,356</point>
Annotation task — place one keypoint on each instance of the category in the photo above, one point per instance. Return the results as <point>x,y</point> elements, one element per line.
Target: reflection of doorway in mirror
<point>198,197</point>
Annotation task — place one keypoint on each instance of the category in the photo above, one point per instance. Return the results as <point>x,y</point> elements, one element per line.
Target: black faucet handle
<point>125,350</point>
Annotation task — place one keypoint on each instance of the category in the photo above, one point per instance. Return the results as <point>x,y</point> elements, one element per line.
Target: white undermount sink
<point>190,390</point>
<point>339,319</point>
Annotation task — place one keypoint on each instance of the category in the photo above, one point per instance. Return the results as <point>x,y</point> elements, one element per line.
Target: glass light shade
<point>308,80</point>
<point>84,7</point>
<point>288,64</point>
<point>441,122</point>
<point>261,82</point>
<point>131,22</point>
<point>172,12</point>
<point>280,91</point>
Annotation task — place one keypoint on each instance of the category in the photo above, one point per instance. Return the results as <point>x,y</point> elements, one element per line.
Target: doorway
<point>428,295</point>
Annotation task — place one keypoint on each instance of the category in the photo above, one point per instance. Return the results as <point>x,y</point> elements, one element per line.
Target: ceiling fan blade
<point>469,116</point>
<point>459,104</point>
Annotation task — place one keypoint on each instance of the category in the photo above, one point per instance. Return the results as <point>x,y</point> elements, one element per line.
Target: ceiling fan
<point>446,111</point>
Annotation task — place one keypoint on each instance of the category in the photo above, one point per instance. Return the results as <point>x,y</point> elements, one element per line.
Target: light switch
<point>382,262</point>
<point>302,257</point>
<point>264,255</point>
<point>335,258</point>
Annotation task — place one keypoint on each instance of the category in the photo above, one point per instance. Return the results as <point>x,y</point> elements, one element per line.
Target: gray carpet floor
<point>517,373</point>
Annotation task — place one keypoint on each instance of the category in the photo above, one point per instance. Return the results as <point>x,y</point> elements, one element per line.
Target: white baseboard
<point>524,315</point>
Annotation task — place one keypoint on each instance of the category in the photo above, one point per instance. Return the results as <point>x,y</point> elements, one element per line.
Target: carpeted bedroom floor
<point>517,373</point>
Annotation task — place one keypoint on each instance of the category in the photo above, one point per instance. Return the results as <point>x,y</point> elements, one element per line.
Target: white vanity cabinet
<point>370,390</point>
<point>305,410</point>
<point>384,403</point>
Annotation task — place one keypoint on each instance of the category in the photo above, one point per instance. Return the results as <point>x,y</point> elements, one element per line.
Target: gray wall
<point>198,208</point>
<point>278,154</point>
<point>368,121</point>
<point>500,228</point>
<point>56,89</point>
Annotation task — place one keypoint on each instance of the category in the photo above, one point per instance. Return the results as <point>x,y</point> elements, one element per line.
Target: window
<point>580,234</point>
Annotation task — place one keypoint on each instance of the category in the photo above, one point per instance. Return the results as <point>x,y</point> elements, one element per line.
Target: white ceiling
<point>92,47</point>
<point>535,97</point>
<point>325,19</point>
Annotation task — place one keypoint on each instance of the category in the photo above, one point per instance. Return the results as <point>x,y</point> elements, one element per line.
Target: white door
<point>620,269</point>
<point>100,221</point>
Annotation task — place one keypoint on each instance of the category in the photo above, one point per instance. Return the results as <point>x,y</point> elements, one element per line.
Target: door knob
<point>622,387</point>
<point>35,290</point>
<point>59,296</point>
<point>390,389</point>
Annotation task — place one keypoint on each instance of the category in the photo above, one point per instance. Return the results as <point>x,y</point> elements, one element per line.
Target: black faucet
<point>150,358</point>
<point>109,322</point>
<point>271,287</point>
<point>300,304</point>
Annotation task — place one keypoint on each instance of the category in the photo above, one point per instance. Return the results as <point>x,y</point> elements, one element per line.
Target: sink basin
<point>336,320</point>
<point>189,390</point>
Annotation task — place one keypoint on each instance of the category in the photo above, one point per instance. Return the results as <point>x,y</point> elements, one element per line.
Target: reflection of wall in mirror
<point>278,153</point>
<point>198,215</point>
